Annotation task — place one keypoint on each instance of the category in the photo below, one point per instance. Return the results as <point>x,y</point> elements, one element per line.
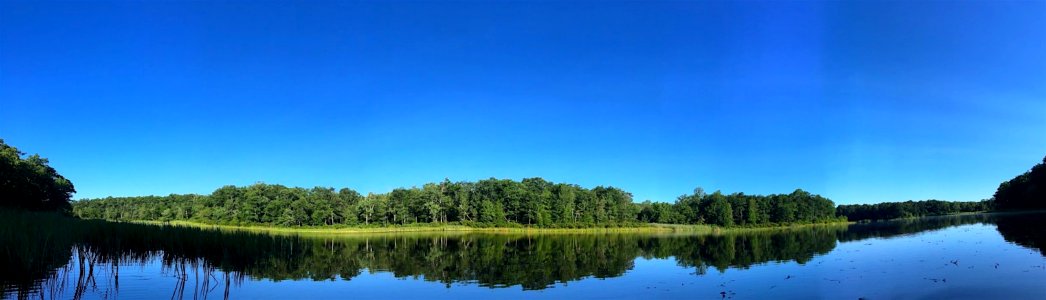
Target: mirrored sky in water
<point>959,257</point>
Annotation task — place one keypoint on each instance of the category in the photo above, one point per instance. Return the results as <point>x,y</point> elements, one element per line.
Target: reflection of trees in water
<point>903,227</point>
<point>206,263</point>
<point>1024,229</point>
<point>43,252</point>
<point>93,272</point>
<point>747,249</point>
<point>1021,228</point>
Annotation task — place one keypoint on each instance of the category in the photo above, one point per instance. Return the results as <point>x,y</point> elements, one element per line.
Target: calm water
<point>957,257</point>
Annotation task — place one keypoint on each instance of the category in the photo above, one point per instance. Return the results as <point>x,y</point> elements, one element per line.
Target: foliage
<point>908,209</point>
<point>491,202</point>
<point>749,210</point>
<point>28,182</point>
<point>1024,192</point>
<point>532,202</point>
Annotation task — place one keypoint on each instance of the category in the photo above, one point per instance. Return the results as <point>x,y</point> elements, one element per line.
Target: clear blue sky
<point>860,101</point>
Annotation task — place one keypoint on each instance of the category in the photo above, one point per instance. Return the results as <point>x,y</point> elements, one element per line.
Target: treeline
<point>490,202</point>
<point>739,209</point>
<point>1024,192</point>
<point>28,182</point>
<point>908,209</point>
<point>532,201</point>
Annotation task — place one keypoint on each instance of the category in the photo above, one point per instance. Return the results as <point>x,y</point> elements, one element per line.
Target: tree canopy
<point>28,182</point>
<point>488,202</point>
<point>740,209</point>
<point>908,209</point>
<point>1024,192</point>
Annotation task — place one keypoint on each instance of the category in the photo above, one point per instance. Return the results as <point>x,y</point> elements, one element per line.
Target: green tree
<point>1026,191</point>
<point>30,183</point>
<point>491,212</point>
<point>719,211</point>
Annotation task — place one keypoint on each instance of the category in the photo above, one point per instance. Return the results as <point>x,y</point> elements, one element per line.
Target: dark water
<point>956,257</point>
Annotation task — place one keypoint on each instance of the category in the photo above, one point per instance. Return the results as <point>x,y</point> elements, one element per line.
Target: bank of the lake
<point>432,228</point>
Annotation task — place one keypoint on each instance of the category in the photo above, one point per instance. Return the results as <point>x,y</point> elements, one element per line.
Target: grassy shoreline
<point>432,228</point>
<point>454,228</point>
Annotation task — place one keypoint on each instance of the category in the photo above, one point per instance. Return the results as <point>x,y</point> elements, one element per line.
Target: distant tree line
<point>908,209</point>
<point>28,182</point>
<point>489,202</point>
<point>739,209</point>
<point>1024,192</point>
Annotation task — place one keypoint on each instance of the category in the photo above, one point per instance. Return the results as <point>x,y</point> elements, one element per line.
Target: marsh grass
<point>646,228</point>
<point>38,246</point>
<point>437,228</point>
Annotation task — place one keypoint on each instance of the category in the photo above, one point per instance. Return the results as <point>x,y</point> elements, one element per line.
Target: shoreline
<point>455,228</point>
<point>651,228</point>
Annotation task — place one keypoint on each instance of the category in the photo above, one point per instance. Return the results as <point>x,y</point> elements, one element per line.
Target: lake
<point>985,256</point>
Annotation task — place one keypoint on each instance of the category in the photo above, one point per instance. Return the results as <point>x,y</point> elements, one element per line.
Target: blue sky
<point>860,101</point>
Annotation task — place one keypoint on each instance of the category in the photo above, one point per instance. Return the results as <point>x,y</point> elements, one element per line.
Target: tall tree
<point>1025,192</point>
<point>30,183</point>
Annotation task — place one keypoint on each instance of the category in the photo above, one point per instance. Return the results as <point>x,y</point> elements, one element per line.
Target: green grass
<point>644,228</point>
<point>457,228</point>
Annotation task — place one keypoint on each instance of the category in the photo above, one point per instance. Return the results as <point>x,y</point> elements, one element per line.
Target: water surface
<point>996,256</point>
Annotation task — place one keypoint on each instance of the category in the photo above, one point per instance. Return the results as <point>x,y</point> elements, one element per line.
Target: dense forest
<point>908,209</point>
<point>1024,192</point>
<point>28,182</point>
<point>489,202</point>
<point>739,209</point>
